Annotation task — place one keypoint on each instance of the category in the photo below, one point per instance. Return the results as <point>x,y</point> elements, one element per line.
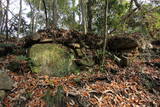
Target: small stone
<point>35,37</point>
<point>125,61</point>
<point>5,81</point>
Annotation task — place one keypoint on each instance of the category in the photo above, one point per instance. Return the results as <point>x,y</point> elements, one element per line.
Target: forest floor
<point>136,85</point>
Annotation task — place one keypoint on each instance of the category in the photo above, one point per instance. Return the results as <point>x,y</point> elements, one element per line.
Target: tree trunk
<point>55,13</point>
<point>5,10</point>
<point>3,22</point>
<point>6,21</point>
<point>1,18</point>
<point>105,15</point>
<point>73,5</point>
<point>20,19</point>
<point>83,12</point>
<point>37,15</point>
<point>46,14</point>
<point>32,18</point>
<point>79,15</point>
<point>106,31</point>
<point>50,7</point>
<point>89,15</point>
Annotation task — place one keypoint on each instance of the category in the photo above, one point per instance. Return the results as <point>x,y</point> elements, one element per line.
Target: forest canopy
<point>123,16</point>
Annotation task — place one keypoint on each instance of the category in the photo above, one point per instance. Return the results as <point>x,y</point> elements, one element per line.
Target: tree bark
<point>32,23</point>
<point>83,12</point>
<point>105,15</point>
<point>73,5</point>
<point>79,15</point>
<point>106,32</point>
<point>37,15</point>
<point>3,16</point>
<point>6,21</point>
<point>55,13</point>
<point>1,13</point>
<point>20,20</point>
<point>46,14</point>
<point>3,22</point>
<point>89,15</point>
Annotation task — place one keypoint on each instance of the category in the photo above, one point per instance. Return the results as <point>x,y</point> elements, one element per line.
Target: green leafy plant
<point>21,60</point>
<point>13,66</point>
<point>24,58</point>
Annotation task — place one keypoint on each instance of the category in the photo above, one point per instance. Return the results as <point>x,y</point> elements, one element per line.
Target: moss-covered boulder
<point>52,59</point>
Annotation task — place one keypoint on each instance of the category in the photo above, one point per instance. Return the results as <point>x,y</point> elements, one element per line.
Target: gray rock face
<point>5,81</point>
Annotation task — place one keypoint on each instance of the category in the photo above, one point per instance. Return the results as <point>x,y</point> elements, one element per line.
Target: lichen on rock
<point>52,59</point>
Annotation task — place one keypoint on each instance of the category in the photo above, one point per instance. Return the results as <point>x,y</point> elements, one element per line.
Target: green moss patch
<point>52,59</point>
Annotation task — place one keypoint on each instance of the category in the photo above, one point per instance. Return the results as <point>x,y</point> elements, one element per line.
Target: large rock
<point>52,59</point>
<point>122,43</point>
<point>5,81</point>
<point>125,48</point>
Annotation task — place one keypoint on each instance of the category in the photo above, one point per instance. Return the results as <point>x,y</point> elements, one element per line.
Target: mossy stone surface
<point>52,59</point>
<point>5,81</point>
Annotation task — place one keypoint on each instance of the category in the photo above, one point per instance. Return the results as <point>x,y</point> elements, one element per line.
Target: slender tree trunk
<point>46,14</point>
<point>89,15</point>
<point>82,12</point>
<point>32,18</point>
<point>55,13</point>
<point>6,21</point>
<point>1,18</point>
<point>79,15</point>
<point>106,31</point>
<point>50,7</point>
<point>73,5</point>
<point>105,15</point>
<point>3,22</point>
<point>33,21</point>
<point>84,18</point>
<point>20,20</point>
<point>36,15</point>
